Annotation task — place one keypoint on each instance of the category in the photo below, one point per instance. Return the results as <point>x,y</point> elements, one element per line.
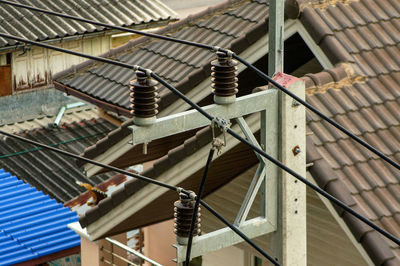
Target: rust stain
<point>351,79</point>
<point>324,4</point>
<point>83,198</point>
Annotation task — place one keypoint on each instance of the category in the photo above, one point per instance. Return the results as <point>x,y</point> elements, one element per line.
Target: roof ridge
<point>329,181</point>
<point>334,78</point>
<point>293,8</point>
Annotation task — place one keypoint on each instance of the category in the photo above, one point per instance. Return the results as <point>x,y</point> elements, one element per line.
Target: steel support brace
<point>258,178</point>
<point>176,123</point>
<point>224,237</point>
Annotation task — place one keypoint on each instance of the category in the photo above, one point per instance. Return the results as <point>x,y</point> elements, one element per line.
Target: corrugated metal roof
<point>38,26</point>
<point>53,173</point>
<point>32,224</point>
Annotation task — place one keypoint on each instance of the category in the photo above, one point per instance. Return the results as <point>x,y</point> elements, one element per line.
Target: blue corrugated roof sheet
<point>32,224</point>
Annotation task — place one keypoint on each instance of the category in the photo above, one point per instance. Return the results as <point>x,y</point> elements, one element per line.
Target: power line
<point>319,113</point>
<point>140,177</point>
<point>281,165</point>
<point>200,110</point>
<point>152,35</point>
<point>52,145</point>
<point>214,48</point>
<point>144,178</point>
<point>215,213</point>
<point>196,205</point>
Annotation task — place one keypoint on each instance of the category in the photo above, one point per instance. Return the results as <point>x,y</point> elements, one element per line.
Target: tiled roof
<point>40,27</point>
<point>32,225</point>
<point>224,168</point>
<point>362,93</point>
<point>70,116</point>
<point>106,85</point>
<point>182,66</point>
<point>367,34</point>
<point>53,173</point>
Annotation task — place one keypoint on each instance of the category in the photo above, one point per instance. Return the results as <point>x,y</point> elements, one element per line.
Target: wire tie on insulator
<point>192,195</point>
<point>135,68</point>
<point>216,48</point>
<point>229,53</point>
<point>148,72</point>
<point>179,190</point>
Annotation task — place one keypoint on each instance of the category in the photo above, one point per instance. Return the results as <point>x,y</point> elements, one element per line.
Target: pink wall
<point>158,241</point>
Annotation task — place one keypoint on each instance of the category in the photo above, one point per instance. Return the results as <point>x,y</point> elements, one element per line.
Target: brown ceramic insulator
<point>183,211</point>
<point>224,76</point>
<point>143,96</point>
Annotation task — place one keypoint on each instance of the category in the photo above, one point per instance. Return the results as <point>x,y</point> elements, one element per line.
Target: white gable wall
<point>34,67</point>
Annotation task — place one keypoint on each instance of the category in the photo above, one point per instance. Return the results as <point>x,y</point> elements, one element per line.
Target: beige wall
<point>90,254</point>
<point>228,256</point>
<point>158,241</point>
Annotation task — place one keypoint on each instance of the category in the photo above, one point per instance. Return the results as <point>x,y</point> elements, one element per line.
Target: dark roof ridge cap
<point>170,27</point>
<point>344,74</point>
<point>327,179</point>
<point>294,8</point>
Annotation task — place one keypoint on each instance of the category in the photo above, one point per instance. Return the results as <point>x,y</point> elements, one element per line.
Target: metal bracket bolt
<point>295,103</point>
<point>296,150</point>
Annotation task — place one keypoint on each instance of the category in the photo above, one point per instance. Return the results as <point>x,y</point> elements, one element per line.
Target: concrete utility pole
<point>289,242</point>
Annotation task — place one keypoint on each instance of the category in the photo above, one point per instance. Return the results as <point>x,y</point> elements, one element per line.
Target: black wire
<point>40,44</point>
<point>316,188</point>
<point>237,231</point>
<point>195,106</point>
<point>147,179</point>
<point>152,35</point>
<point>319,113</point>
<point>209,47</point>
<point>144,178</point>
<point>196,205</point>
<point>278,163</point>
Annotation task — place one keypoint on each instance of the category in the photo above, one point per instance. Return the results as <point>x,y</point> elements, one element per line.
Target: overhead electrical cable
<point>148,34</point>
<point>208,116</point>
<point>140,177</point>
<point>112,168</point>
<point>196,205</point>
<point>279,164</point>
<point>216,48</point>
<point>216,214</point>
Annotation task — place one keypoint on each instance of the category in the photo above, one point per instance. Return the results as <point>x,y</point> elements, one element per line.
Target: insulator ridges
<point>183,211</point>
<point>224,76</point>
<point>143,96</point>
